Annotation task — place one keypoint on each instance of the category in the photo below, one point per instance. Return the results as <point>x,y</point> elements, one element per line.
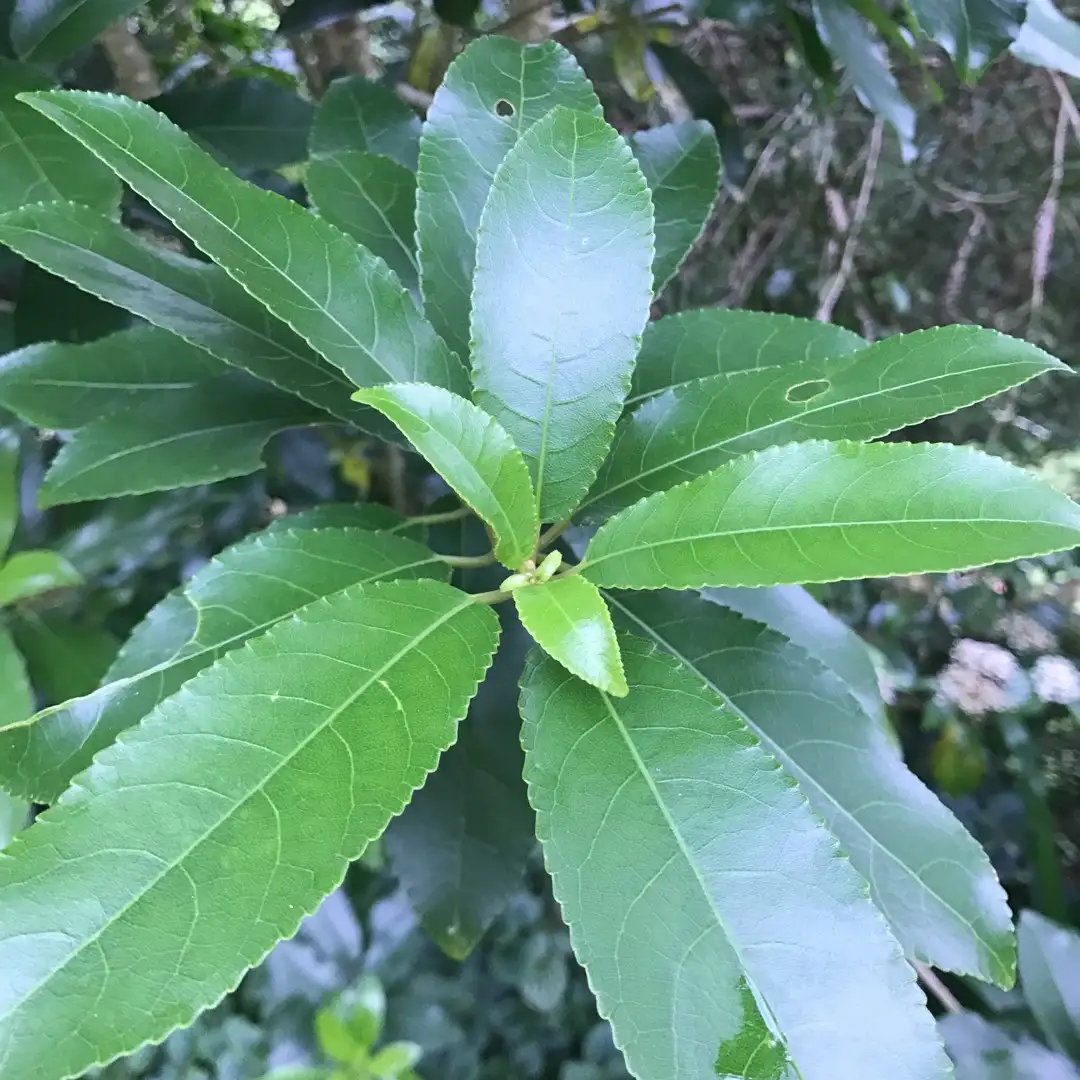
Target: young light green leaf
<point>250,123</point>
<point>704,896</point>
<point>281,763</point>
<point>973,32</point>
<point>1049,962</point>
<point>692,429</point>
<point>39,163</point>
<point>831,511</point>
<point>569,620</point>
<point>240,594</point>
<point>341,299</point>
<point>49,31</point>
<point>473,454</point>
<point>931,880</point>
<point>17,700</point>
<point>460,847</point>
<point>357,114</point>
<point>197,301</point>
<point>9,483</point>
<point>492,93</point>
<point>791,611</point>
<point>199,435</point>
<point>681,163</point>
<point>29,573</point>
<point>373,199</point>
<point>55,385</point>
<point>679,349</point>
<point>562,293</point>
<point>851,41</point>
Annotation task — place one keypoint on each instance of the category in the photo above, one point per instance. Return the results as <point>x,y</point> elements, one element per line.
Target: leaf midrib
<point>795,417</point>
<point>287,759</point>
<point>801,775</point>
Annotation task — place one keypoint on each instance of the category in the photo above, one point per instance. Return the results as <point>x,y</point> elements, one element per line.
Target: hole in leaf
<point>503,108</point>
<point>807,391</point>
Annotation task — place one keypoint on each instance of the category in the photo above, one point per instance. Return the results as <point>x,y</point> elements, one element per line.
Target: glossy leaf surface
<point>930,879</point>
<point>373,199</point>
<point>240,594</point>
<point>678,349</point>
<point>493,92</point>
<point>473,454</point>
<point>39,163</point>
<point>460,846</point>
<point>692,429</point>
<point>552,363</point>
<point>194,436</point>
<point>357,114</point>
<point>1049,962</point>
<point>334,294</point>
<point>569,620</point>
<point>197,301</point>
<point>832,511</point>
<point>54,385</point>
<point>972,31</point>
<point>28,573</point>
<point>281,762</point>
<point>703,894</point>
<point>681,163</point>
<point>46,31</point>
<point>17,700</point>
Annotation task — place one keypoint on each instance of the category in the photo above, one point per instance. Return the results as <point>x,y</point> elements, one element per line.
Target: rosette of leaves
<point>745,864</point>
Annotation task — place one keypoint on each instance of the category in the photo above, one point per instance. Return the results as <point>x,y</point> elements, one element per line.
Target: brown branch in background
<point>1042,239</point>
<point>954,282</point>
<point>862,206</point>
<point>937,989</point>
<point>132,65</point>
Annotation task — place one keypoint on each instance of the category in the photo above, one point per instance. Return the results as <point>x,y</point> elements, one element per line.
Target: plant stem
<point>496,596</point>
<point>929,978</point>
<point>553,533</point>
<point>468,560</point>
<point>433,519</point>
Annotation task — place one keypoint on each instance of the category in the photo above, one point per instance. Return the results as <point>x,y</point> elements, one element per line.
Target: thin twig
<point>465,561</point>
<point>862,206</point>
<point>1042,240</point>
<point>553,533</point>
<point>945,997</point>
<point>954,283</point>
<point>433,519</point>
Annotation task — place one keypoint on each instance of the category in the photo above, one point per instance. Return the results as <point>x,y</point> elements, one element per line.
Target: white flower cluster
<point>1056,680</point>
<point>1024,634</point>
<point>981,678</point>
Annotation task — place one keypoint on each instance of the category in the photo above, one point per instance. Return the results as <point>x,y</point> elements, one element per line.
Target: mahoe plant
<point>745,863</point>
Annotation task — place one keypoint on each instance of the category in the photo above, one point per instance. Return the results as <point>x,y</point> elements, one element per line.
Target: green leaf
<point>197,301</point>
<point>833,511</point>
<point>930,879</point>
<point>50,309</point>
<point>851,41</point>
<point>9,481</point>
<point>335,1039</point>
<point>199,435</point>
<point>702,893</point>
<point>46,31</point>
<point>56,385</point>
<point>373,199</point>
<point>794,613</point>
<point>692,429</point>
<point>357,114</point>
<point>342,515</point>
<point>681,163</point>
<point>1049,969</point>
<point>250,123</point>
<point>39,163</point>
<point>14,815</point>
<point>65,658</point>
<point>569,620</point>
<point>1048,39</point>
<point>240,594</point>
<point>17,701</point>
<point>32,572</point>
<point>982,1051</point>
<point>460,847</point>
<point>492,93</point>
<point>973,32</point>
<point>473,454</point>
<point>395,1058</point>
<point>281,763</point>
<point>693,345</point>
<point>335,295</point>
<point>562,294</point>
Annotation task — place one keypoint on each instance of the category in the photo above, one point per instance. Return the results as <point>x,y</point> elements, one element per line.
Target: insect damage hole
<point>806,391</point>
<point>503,108</point>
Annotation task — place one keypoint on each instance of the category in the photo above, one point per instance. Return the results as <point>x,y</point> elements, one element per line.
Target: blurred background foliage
<point>949,199</point>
